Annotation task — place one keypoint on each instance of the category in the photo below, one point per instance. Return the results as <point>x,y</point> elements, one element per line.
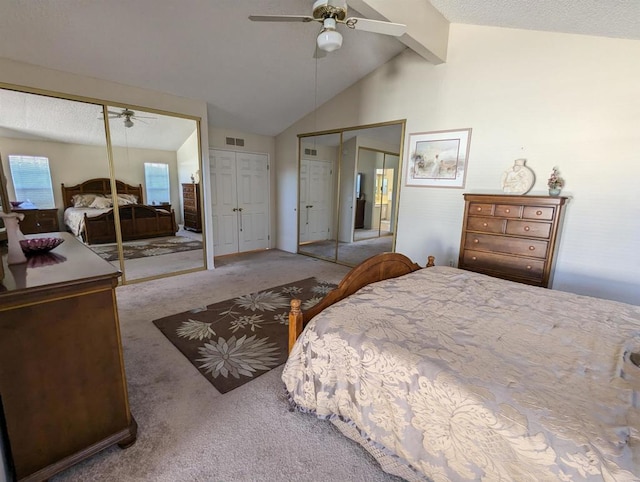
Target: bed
<point>455,375</point>
<point>89,213</point>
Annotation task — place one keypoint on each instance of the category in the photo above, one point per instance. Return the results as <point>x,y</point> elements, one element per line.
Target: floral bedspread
<point>468,377</point>
<point>74,218</point>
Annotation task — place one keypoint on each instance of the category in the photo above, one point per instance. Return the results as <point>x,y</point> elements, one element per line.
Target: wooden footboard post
<point>431,261</point>
<point>295,323</point>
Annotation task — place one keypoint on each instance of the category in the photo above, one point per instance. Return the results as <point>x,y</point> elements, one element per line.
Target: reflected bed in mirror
<point>151,154</point>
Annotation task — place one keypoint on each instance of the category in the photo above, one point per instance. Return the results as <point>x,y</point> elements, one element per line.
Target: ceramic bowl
<point>39,245</point>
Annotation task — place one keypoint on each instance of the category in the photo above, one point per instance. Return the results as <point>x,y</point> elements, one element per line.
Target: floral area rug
<point>147,247</point>
<point>237,340</point>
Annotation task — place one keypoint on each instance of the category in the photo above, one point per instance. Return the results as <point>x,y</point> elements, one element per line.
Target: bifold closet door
<point>240,201</point>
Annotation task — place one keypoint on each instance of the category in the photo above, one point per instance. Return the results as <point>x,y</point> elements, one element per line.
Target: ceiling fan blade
<point>142,117</point>
<point>281,18</point>
<point>376,26</point>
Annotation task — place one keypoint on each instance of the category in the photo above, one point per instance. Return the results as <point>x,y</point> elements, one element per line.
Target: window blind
<point>32,180</point>
<point>156,179</point>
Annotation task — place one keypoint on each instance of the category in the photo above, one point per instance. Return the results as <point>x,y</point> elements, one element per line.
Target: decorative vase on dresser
<point>511,237</point>
<point>192,212</point>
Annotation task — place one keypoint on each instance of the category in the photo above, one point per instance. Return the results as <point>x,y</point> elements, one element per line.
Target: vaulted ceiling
<point>255,77</point>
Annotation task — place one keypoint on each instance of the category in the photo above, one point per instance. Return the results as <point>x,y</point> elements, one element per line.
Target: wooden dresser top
<point>68,264</point>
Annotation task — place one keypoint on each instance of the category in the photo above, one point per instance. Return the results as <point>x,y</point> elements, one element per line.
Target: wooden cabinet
<point>38,220</point>
<point>511,237</point>
<point>192,212</point>
<point>62,376</point>
<point>359,217</point>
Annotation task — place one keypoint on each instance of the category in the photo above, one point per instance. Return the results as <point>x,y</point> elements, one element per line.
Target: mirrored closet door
<point>59,156</point>
<point>365,182</point>
<point>156,166</point>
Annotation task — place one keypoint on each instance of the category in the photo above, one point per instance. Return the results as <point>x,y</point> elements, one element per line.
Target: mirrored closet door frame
<point>105,110</point>
<point>344,186</point>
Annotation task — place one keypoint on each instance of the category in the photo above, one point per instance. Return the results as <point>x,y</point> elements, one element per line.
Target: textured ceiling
<point>604,18</point>
<point>255,77</point>
<point>37,117</point>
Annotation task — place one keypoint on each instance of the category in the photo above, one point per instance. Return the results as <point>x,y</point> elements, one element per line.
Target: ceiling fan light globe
<point>128,123</point>
<point>329,40</point>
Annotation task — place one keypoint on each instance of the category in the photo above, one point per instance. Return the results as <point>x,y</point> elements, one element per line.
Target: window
<point>156,179</point>
<point>32,180</point>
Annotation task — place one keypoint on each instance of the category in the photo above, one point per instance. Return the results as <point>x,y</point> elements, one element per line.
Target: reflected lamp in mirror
<point>359,193</point>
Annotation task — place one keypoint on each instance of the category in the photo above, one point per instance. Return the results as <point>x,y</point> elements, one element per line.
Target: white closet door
<point>240,201</point>
<point>224,200</point>
<point>320,200</point>
<point>253,201</point>
<point>303,208</point>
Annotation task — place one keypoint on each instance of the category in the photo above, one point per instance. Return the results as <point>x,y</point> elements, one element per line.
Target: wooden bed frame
<point>137,221</point>
<point>377,268</point>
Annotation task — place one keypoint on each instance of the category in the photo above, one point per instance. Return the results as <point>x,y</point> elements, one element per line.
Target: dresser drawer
<point>504,244</point>
<point>538,212</point>
<point>190,204</point>
<point>485,225</point>
<point>507,211</point>
<point>532,269</point>
<point>483,209</point>
<point>39,221</point>
<point>528,228</point>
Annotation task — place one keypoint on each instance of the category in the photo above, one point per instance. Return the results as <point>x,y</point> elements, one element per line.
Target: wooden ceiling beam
<point>427,30</point>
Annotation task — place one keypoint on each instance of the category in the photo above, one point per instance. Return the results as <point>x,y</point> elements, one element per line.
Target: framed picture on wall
<point>438,159</point>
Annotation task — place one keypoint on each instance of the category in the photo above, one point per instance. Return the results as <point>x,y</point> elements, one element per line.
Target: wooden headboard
<point>101,185</point>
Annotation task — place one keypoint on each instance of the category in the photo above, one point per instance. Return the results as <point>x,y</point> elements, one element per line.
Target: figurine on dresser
<point>14,235</point>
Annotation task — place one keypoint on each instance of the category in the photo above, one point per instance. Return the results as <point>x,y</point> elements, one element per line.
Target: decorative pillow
<point>84,200</point>
<point>101,203</point>
<point>124,199</point>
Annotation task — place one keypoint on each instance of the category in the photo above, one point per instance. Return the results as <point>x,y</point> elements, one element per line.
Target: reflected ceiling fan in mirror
<point>128,116</point>
<point>330,13</point>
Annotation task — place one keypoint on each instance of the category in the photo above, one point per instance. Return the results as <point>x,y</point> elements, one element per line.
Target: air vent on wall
<point>311,152</point>
<point>231,141</point>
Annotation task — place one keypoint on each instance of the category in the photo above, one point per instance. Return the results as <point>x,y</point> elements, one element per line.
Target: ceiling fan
<point>129,116</point>
<point>330,13</point>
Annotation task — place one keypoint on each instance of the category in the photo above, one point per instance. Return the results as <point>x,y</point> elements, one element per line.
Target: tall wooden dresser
<point>62,379</point>
<point>511,237</point>
<point>192,212</point>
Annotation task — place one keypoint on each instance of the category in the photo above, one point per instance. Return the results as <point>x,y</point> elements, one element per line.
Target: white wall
<point>27,75</point>
<point>554,99</point>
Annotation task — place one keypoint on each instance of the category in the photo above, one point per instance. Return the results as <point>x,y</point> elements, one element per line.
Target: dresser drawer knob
<point>485,225</point>
<point>539,213</point>
<point>528,267</point>
<point>478,209</point>
<point>474,258</point>
<point>532,248</point>
<point>507,210</point>
<point>476,241</point>
<point>527,228</point>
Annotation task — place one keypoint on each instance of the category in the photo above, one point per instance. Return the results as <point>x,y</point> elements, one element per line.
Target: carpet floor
<point>237,340</point>
<point>145,248</point>
<point>188,431</point>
